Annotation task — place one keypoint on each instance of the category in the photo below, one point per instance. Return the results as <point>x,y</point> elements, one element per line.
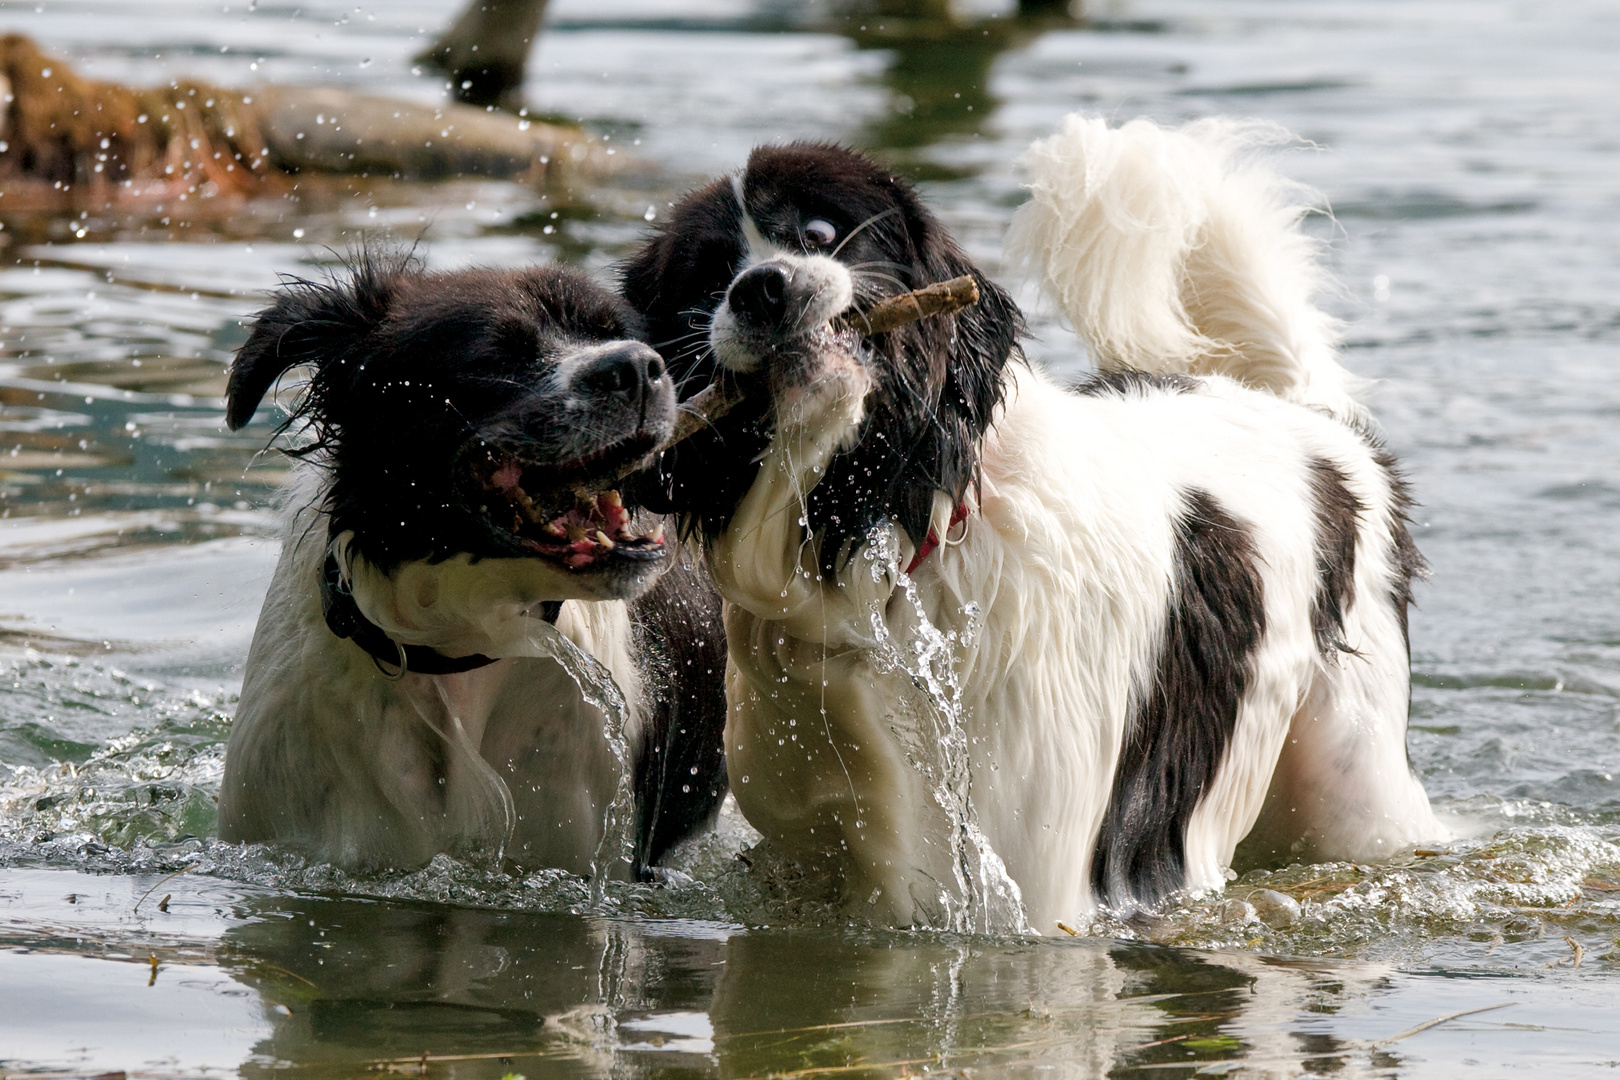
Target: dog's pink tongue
<point>612,511</point>
<point>506,477</point>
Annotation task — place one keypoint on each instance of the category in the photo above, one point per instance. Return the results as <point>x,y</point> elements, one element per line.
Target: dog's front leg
<point>766,561</point>
<point>814,762</point>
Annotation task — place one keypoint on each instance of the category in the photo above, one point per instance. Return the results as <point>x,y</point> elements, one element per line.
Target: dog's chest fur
<point>377,771</point>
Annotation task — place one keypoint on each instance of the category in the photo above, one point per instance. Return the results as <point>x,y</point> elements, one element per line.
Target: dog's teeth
<point>657,536</point>
<point>602,538</point>
<point>554,528</point>
<point>612,499</point>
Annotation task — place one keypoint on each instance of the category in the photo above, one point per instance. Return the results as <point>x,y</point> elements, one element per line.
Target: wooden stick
<point>941,298</point>
<point>1427,1024</point>
<point>703,409</point>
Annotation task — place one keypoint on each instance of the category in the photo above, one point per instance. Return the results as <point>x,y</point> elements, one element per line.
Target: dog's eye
<point>819,234</point>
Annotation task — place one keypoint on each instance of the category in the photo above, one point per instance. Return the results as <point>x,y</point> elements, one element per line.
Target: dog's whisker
<point>874,219</point>
<point>677,340</point>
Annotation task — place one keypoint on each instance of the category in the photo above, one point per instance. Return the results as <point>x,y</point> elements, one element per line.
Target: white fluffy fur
<point>359,769</point>
<point>1180,251</point>
<point>1169,254</point>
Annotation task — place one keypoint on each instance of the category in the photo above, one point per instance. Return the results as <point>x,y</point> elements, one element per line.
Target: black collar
<point>344,619</point>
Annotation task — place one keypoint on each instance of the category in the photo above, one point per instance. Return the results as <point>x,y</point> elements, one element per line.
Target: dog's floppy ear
<point>986,335</point>
<point>311,322</point>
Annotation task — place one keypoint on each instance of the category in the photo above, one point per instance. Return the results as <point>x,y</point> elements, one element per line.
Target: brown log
<point>61,131</point>
<point>324,129</point>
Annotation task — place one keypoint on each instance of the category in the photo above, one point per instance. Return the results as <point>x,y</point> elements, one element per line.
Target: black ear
<point>311,323</point>
<point>986,334</point>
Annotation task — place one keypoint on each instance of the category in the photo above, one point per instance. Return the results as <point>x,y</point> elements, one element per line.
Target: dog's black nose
<point>627,370</point>
<point>759,295</point>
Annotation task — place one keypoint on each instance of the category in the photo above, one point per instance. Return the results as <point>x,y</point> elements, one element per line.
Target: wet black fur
<point>1120,383</point>
<point>1178,735</point>
<point>938,380</point>
<point>681,648</point>
<point>1338,512</point>
<point>1410,564</point>
<point>405,368</point>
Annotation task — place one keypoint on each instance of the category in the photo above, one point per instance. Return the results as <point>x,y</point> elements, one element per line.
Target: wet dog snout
<point>781,303</point>
<point>628,372</point>
<point>760,295</point>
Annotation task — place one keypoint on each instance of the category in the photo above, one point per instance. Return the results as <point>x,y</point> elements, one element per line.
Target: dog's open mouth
<point>577,524</point>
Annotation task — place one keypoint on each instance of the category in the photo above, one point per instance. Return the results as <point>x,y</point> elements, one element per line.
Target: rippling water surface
<point>1471,153</point>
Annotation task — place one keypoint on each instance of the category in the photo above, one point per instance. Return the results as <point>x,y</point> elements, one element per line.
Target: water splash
<point>155,782</point>
<point>987,899</point>
<point>1515,895</point>
<point>487,816</point>
<point>600,691</point>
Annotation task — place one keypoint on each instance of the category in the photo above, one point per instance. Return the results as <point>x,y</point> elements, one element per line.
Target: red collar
<point>931,541</point>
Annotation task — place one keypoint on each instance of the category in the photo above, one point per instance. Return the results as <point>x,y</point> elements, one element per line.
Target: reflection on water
<point>343,985</point>
<point>1470,156</point>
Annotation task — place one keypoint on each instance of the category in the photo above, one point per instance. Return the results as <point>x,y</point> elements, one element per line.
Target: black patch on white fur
<point>1178,736</point>
<point>681,649</point>
<point>1338,513</point>
<point>1407,561</point>
<point>938,381</point>
<point>1121,383</point>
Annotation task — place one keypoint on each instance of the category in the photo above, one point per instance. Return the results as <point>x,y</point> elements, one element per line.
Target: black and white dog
<point>1171,601</point>
<point>403,695</point>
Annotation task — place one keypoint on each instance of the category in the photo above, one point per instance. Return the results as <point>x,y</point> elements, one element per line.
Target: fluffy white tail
<point>1181,251</point>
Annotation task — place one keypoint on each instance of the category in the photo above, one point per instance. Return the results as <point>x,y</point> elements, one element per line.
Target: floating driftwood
<point>66,132</point>
<point>329,130</point>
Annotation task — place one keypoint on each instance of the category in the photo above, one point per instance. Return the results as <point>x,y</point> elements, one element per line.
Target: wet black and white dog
<point>404,695</point>
<point>1170,602</point>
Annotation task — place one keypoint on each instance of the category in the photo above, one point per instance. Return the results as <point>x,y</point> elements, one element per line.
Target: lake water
<point>1471,154</point>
